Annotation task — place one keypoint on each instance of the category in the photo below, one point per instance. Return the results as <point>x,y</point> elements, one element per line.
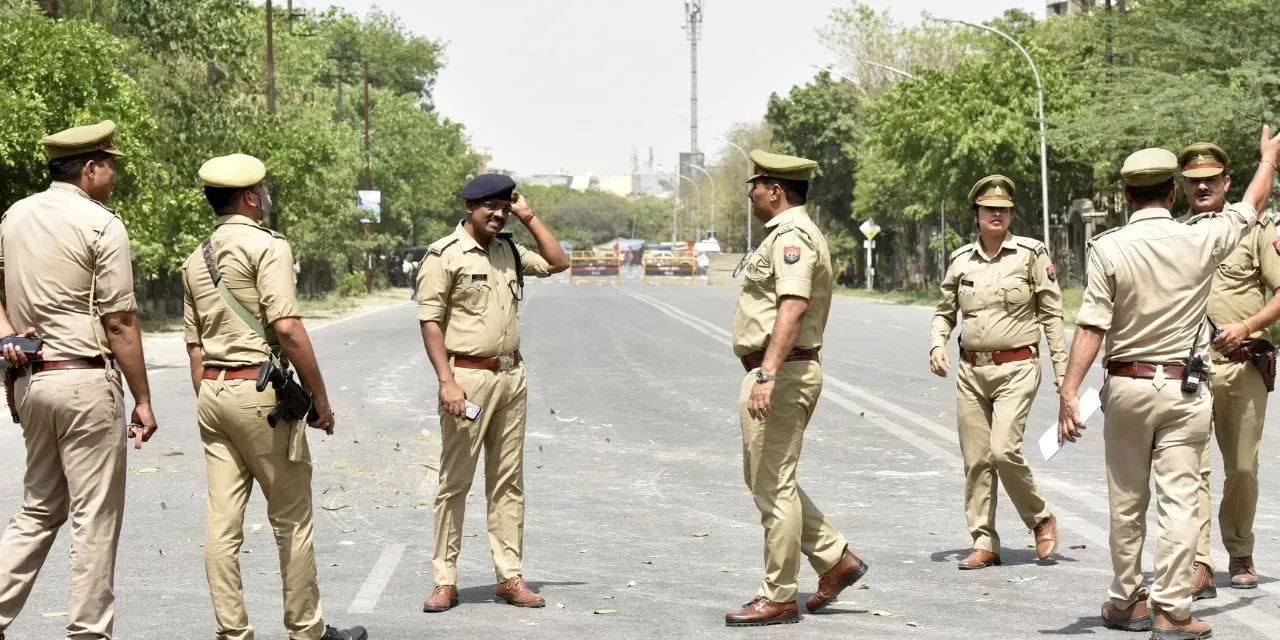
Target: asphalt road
<point>638,525</point>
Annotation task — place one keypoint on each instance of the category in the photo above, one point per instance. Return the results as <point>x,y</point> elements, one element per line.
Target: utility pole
<point>693,27</point>
<point>271,64</point>
<point>340,59</point>
<point>368,171</point>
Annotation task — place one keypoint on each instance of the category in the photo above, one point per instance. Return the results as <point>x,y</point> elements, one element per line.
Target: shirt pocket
<point>759,270</point>
<point>1235,270</point>
<point>1015,291</point>
<point>474,292</point>
<point>968,296</point>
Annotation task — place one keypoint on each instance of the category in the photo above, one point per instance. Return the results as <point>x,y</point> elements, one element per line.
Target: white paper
<point>1090,402</point>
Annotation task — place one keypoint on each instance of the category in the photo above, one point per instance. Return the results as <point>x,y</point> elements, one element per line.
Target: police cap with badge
<point>81,140</point>
<point>993,191</point>
<point>781,167</point>
<point>1149,167</point>
<point>488,186</point>
<point>1203,160</point>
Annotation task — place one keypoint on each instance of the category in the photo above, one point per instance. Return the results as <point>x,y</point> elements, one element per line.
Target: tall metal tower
<point>693,28</point>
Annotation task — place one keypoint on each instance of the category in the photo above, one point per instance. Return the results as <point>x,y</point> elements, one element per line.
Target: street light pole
<point>697,206</point>
<point>1044,160</point>
<point>877,65</point>
<point>747,158</point>
<point>712,182</point>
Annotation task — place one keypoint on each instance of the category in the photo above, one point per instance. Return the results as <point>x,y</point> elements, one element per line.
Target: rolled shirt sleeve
<point>433,289</point>
<point>794,258</point>
<point>113,289</point>
<point>190,328</point>
<point>533,263</point>
<point>1049,312</point>
<point>278,299</point>
<point>944,315</point>
<point>1099,292</point>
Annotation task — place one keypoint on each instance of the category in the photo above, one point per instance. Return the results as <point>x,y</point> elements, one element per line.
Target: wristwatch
<point>761,376</point>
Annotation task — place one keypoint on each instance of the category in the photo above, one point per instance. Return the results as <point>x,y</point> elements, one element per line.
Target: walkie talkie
<point>1193,375</point>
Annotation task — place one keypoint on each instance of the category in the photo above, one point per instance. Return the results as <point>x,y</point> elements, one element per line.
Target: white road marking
<point>367,598</point>
<point>1254,618</point>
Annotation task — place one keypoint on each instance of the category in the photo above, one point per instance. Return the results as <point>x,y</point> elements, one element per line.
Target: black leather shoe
<point>354,633</point>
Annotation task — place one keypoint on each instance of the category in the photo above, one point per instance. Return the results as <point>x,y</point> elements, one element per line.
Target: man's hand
<point>453,399</point>
<point>760,402</point>
<point>521,207</point>
<point>1231,337</point>
<point>14,355</point>
<point>324,416</point>
<point>1270,147</point>
<point>939,362</point>
<point>1069,424</point>
<point>142,424</point>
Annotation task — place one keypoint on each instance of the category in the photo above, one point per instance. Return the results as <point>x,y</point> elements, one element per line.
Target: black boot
<point>354,633</point>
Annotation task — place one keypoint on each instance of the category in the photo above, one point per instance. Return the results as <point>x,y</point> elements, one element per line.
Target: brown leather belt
<point>998,357</point>
<point>1242,353</point>
<point>491,363</point>
<point>249,372</point>
<point>799,354</point>
<point>62,365</point>
<point>1144,370</point>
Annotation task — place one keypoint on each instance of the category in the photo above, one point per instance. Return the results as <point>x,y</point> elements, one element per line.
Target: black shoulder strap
<point>515,253</point>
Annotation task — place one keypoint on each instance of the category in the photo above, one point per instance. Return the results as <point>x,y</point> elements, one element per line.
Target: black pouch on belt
<point>1263,356</point>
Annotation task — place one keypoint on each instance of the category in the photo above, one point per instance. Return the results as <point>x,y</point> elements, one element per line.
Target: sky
<point>551,86</point>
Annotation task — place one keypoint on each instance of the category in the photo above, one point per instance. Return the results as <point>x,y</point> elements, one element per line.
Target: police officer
<point>1237,306</point>
<point>1006,290</point>
<point>230,334</point>
<point>1146,288</point>
<point>777,334</point>
<point>68,279</point>
<point>469,289</point>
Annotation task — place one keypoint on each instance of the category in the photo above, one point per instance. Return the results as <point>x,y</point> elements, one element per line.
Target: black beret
<point>488,185</point>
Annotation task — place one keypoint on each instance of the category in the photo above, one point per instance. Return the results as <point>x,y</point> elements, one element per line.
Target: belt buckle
<point>507,362</point>
<point>983,358</point>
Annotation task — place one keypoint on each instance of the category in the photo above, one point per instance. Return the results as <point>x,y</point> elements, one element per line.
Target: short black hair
<point>221,198</point>
<point>1149,194</point>
<point>68,168</point>
<point>797,191</point>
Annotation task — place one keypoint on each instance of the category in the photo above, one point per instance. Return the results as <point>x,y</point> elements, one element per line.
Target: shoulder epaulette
<point>1030,244</point>
<point>440,245</point>
<point>1264,218</point>
<point>1198,217</point>
<point>1111,230</point>
<point>959,252</point>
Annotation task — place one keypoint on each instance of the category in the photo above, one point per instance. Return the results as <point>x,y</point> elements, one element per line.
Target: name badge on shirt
<point>479,277</point>
<point>966,283</point>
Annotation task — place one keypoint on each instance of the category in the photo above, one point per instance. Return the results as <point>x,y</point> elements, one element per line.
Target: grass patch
<point>1071,299</point>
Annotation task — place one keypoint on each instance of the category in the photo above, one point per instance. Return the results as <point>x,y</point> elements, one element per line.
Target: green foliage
<point>820,121</point>
<point>352,285</point>
<point>588,218</point>
<point>187,81</point>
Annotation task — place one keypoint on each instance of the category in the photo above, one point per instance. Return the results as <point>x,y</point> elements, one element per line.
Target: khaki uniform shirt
<point>54,247</point>
<point>471,292</point>
<point>1242,281</point>
<point>792,260</point>
<point>1004,301</point>
<point>257,265</point>
<point>1147,283</point>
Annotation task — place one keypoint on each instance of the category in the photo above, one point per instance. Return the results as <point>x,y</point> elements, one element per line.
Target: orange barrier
<point>595,266</point>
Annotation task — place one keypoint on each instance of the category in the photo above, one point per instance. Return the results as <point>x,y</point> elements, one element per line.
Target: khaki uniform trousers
<point>1239,410</point>
<point>1152,426</point>
<point>992,404</point>
<point>239,449</point>
<point>500,431</point>
<point>73,426</point>
<point>793,524</point>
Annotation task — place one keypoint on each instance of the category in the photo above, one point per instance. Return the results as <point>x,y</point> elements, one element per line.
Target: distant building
<point>546,180</point>
<point>1073,7</point>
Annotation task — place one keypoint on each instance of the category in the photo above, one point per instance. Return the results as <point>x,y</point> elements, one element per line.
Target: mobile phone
<point>472,411</point>
<point>29,346</point>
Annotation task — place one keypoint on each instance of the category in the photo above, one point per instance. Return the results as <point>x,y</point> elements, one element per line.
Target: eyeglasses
<point>497,205</point>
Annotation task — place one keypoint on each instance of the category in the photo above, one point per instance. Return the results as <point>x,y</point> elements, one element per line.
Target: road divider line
<point>371,591</point>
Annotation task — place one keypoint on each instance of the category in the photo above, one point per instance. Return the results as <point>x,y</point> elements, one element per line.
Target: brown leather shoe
<point>1166,628</point>
<point>1135,618</point>
<point>979,559</point>
<point>847,571</point>
<point>1047,537</point>
<point>516,592</point>
<point>443,598</point>
<point>1202,585</point>
<point>1243,574</point>
<point>761,612</point>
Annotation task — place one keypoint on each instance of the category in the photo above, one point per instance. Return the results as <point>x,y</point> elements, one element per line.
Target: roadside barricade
<point>595,266</point>
<point>665,267</point>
